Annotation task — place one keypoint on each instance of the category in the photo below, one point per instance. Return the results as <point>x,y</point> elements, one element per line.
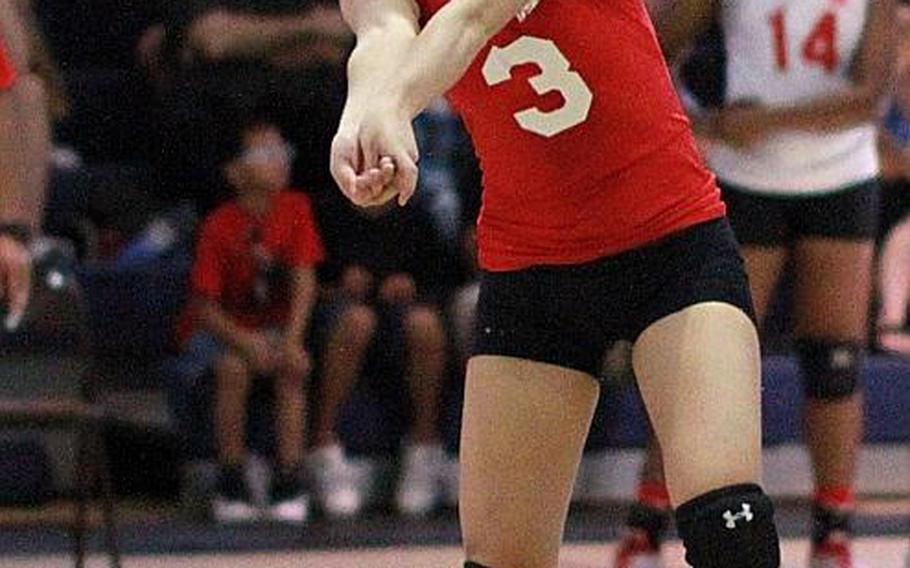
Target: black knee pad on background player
<point>731,527</point>
<point>474,565</point>
<point>831,369</point>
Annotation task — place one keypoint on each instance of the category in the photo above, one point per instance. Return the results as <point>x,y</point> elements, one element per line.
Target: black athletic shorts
<point>760,219</point>
<point>568,315</point>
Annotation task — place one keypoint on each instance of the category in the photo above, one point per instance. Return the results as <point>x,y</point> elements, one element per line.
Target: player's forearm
<point>445,48</point>
<point>266,33</point>
<point>255,36</point>
<point>394,62</point>
<point>859,106</point>
<point>304,289</point>
<point>374,61</point>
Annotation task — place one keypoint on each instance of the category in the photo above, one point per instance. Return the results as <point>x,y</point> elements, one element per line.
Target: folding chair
<point>50,347</point>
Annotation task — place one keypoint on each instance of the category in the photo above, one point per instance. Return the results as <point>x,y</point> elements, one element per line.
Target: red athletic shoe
<point>833,552</point>
<point>637,551</point>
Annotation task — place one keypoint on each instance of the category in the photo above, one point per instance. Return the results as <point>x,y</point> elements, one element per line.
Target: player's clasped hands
<point>374,160</point>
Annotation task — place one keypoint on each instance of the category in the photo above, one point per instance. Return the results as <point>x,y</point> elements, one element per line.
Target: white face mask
<point>267,153</point>
<point>527,9</point>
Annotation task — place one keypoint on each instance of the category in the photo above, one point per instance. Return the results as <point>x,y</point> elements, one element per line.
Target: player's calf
<point>731,526</point>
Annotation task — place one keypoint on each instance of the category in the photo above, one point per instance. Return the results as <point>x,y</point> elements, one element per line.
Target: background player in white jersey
<point>793,144</point>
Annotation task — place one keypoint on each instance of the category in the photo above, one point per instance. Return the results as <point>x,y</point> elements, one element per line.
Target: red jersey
<point>238,253</point>
<point>7,70</point>
<point>585,149</point>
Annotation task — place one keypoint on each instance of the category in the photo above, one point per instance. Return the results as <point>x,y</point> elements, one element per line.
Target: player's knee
<point>423,328</point>
<point>731,526</point>
<point>831,369</point>
<point>357,326</point>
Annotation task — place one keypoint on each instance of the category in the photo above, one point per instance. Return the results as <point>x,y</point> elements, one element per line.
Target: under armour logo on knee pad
<point>745,514</point>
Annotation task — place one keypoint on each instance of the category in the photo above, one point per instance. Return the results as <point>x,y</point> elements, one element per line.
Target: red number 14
<point>819,48</point>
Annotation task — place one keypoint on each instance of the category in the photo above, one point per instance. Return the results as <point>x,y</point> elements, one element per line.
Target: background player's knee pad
<point>473,565</point>
<point>730,527</point>
<point>831,369</point>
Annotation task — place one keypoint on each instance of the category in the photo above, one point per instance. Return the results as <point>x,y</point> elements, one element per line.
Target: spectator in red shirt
<point>253,288</point>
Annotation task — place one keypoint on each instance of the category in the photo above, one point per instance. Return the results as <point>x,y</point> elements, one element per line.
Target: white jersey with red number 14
<point>784,53</point>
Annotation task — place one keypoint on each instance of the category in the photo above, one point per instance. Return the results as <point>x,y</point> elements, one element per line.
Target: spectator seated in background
<point>253,287</point>
<point>388,275</point>
<point>209,59</point>
<point>892,333</point>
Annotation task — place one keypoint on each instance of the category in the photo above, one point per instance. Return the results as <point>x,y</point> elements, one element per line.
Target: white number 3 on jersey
<point>555,75</point>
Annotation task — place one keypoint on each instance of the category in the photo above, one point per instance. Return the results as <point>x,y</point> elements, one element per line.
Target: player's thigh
<point>833,259</point>
<point>833,287</point>
<point>523,431</point>
<point>699,373</point>
<point>764,266</point>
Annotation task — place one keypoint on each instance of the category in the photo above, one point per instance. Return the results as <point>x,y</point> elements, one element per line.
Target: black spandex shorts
<point>759,219</point>
<point>568,315</point>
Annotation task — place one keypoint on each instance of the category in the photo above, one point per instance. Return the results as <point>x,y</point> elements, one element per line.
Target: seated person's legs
<point>350,332</point>
<point>425,345</point>
<point>233,378</point>
<point>289,499</point>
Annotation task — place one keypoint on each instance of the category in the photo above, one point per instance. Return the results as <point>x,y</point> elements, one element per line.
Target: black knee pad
<point>831,369</point>
<point>473,565</point>
<point>730,527</point>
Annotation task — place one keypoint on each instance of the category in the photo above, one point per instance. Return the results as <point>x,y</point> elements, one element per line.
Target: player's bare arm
<point>395,71</point>
<point>384,31</point>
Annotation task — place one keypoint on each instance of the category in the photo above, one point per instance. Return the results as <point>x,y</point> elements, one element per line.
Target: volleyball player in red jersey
<point>20,201</point>
<point>598,223</point>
